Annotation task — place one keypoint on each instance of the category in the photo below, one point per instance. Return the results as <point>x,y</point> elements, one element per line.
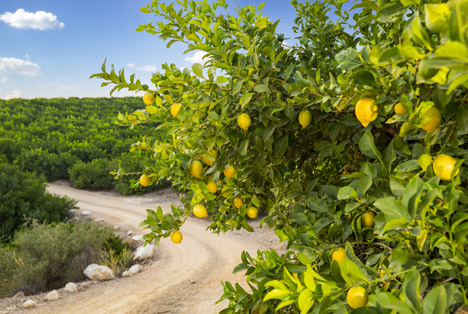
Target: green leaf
<point>367,146</point>
<point>389,205</point>
<point>245,99</point>
<point>281,146</point>
<point>267,133</point>
<point>151,109</point>
<point>425,161</point>
<point>197,68</point>
<point>411,289</point>
<point>348,59</point>
<point>243,147</point>
<point>262,88</point>
<point>237,86</point>
<point>436,16</point>
<point>408,166</point>
<point>220,80</point>
<point>435,302</point>
<point>255,201</point>
<point>305,301</point>
<point>346,192</point>
<point>309,280</point>
<point>387,301</point>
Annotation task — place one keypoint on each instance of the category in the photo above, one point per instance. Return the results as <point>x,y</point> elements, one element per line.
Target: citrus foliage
<point>359,154</point>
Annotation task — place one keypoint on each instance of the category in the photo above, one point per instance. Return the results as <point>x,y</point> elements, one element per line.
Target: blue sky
<point>49,48</point>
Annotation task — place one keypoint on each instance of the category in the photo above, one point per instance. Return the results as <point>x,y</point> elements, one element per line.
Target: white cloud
<point>147,68</point>
<point>16,93</point>
<point>196,58</point>
<point>19,66</point>
<point>131,65</point>
<point>3,80</point>
<point>40,20</point>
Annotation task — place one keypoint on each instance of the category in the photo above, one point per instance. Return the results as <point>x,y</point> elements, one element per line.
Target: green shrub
<point>46,257</point>
<point>52,166</point>
<point>23,197</point>
<point>92,175</point>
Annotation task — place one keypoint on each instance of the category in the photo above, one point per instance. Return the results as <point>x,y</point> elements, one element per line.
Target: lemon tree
<point>368,189</point>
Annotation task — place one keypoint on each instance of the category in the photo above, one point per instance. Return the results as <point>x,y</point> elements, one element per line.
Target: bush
<point>46,257</point>
<point>92,175</point>
<point>23,197</point>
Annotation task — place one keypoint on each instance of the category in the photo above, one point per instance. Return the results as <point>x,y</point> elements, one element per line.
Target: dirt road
<point>184,278</point>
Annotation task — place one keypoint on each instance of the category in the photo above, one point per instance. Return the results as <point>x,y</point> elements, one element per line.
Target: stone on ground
<point>52,296</point>
<point>135,269</point>
<point>144,252</point>
<point>29,304</point>
<point>71,287</point>
<point>98,272</point>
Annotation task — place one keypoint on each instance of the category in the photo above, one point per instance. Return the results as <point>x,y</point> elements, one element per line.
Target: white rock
<point>98,220</point>
<point>137,238</point>
<point>98,272</point>
<point>52,296</point>
<point>144,252</point>
<point>135,269</point>
<point>129,233</point>
<point>116,227</point>
<point>29,304</point>
<point>85,213</point>
<point>71,287</point>
<point>127,274</point>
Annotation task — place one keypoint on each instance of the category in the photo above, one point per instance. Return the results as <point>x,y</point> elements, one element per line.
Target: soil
<point>182,278</point>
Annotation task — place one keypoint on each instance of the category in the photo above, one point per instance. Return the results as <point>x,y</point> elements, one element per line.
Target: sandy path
<point>184,278</point>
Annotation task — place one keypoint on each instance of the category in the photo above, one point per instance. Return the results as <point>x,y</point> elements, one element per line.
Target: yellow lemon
<point>305,118</point>
<point>244,121</point>
<point>229,171</point>
<point>433,114</point>
<point>211,187</point>
<point>196,168</point>
<point>175,109</point>
<point>399,109</point>
<point>200,211</point>
<point>238,202</point>
<point>252,212</point>
<point>357,297</point>
<point>145,180</point>
<point>443,167</point>
<point>366,111</point>
<point>148,98</point>
<point>176,237</point>
<point>210,157</point>
<point>367,219</point>
<point>339,255</point>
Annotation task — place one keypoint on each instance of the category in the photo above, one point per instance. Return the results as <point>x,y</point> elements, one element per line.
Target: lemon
<point>238,202</point>
<point>229,171</point>
<point>175,109</point>
<point>196,168</point>
<point>366,111</point>
<point>244,121</point>
<point>433,114</point>
<point>357,297</point>
<point>399,109</point>
<point>339,255</point>
<point>145,180</point>
<point>200,211</point>
<point>211,187</point>
<point>210,157</point>
<point>176,237</point>
<point>148,98</point>
<point>305,118</point>
<point>252,212</point>
<point>367,219</point>
<point>443,167</point>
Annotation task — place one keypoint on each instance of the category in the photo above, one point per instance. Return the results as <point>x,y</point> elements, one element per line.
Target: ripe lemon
<point>210,157</point>
<point>176,237</point>
<point>229,171</point>
<point>252,212</point>
<point>145,180</point>
<point>200,211</point>
<point>148,98</point>
<point>399,109</point>
<point>305,118</point>
<point>443,166</point>
<point>366,111</point>
<point>357,297</point>
<point>339,255</point>
<point>434,119</point>
<point>196,168</point>
<point>211,187</point>
<point>244,121</point>
<point>367,219</point>
<point>175,109</point>
<point>238,202</point>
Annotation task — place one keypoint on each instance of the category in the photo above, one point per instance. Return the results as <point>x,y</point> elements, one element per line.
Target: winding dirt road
<point>184,278</point>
